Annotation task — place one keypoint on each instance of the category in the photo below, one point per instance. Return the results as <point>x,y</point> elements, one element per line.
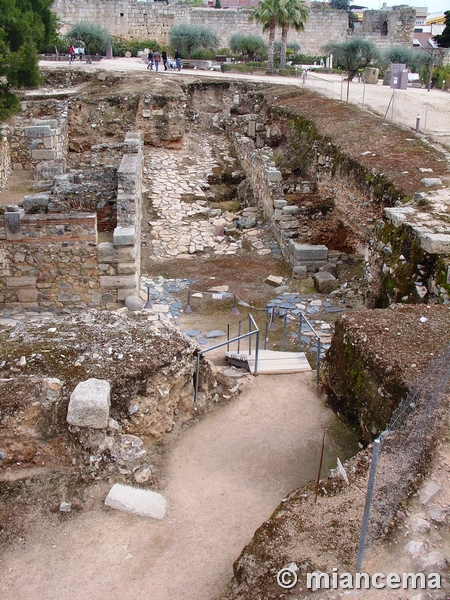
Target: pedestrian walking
<point>71,54</point>
<point>164,59</point>
<point>156,59</point>
<point>178,59</point>
<point>150,59</point>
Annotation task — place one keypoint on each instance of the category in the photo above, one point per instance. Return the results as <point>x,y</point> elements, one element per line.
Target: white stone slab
<point>144,503</point>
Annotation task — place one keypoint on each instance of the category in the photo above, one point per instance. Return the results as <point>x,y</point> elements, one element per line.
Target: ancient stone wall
<point>50,261</point>
<point>5,156</point>
<point>148,20</point>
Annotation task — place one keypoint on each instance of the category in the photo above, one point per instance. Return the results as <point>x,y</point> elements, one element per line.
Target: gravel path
<point>224,477</point>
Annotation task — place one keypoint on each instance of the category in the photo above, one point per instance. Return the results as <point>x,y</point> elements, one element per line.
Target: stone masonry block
<point>43,154</point>
<point>20,282</point>
<point>35,201</point>
<point>124,293</point>
<point>324,282</point>
<point>308,252</point>
<point>52,123</point>
<point>89,404</point>
<point>128,268</point>
<point>113,281</point>
<point>124,236</point>
<point>108,253</point>
<point>273,175</point>
<point>291,224</point>
<point>38,131</point>
<point>435,243</point>
<point>13,225</point>
<point>27,295</point>
<point>279,203</point>
<point>396,215</point>
<point>144,503</point>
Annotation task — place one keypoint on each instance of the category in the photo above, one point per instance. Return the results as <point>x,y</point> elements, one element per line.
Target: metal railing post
<point>365,521</point>
<point>283,344</point>
<point>318,360</point>
<point>228,337</point>
<point>256,352</point>
<point>239,333</point>
<point>300,324</point>
<point>266,335</point>
<point>196,378</point>
<point>249,337</point>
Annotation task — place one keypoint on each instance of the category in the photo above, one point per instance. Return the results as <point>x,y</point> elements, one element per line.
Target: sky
<point>433,5</point>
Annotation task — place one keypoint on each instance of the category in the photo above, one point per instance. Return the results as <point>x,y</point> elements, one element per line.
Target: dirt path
<point>224,476</point>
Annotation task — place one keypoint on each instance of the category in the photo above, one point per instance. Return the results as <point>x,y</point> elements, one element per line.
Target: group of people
<point>73,52</point>
<point>154,58</point>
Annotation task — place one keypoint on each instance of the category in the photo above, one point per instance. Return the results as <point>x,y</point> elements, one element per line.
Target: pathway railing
<point>253,330</point>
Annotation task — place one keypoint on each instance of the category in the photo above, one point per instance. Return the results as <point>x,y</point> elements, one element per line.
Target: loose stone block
<point>144,503</point>
<point>273,175</point>
<point>397,215</point>
<point>124,236</point>
<point>300,272</point>
<point>435,243</point>
<point>308,252</point>
<point>13,225</point>
<point>324,282</point>
<point>35,202</point>
<point>273,280</point>
<point>279,203</point>
<point>289,210</point>
<point>89,404</point>
<point>431,182</point>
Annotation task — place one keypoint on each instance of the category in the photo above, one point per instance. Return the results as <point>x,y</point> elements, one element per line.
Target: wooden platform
<point>271,362</point>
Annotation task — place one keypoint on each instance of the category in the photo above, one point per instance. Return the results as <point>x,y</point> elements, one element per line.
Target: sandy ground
<point>433,107</point>
<point>224,476</point>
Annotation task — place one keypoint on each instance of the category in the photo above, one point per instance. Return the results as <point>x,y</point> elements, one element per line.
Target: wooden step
<point>271,362</point>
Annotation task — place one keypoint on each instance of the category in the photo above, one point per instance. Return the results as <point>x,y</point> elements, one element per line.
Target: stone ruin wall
<point>153,20</point>
<point>5,157</point>
<point>54,260</point>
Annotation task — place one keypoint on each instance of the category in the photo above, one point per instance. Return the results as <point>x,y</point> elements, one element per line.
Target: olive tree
<point>188,37</point>
<point>95,37</point>
<point>247,45</point>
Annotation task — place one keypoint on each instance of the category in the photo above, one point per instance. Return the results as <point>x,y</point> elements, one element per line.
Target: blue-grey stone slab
<point>287,306</point>
<point>215,333</point>
<point>203,341</point>
<point>192,332</point>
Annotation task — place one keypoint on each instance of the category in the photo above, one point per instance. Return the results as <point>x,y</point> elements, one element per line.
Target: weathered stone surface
<point>429,490</point>
<point>144,503</point>
<point>396,215</point>
<point>20,282</point>
<point>273,175</point>
<point>433,562</point>
<point>431,181</point>
<point>300,272</point>
<point>435,243</point>
<point>108,253</point>
<point>279,203</point>
<point>13,226</point>
<point>89,404</point>
<point>39,131</point>
<point>27,295</point>
<point>43,154</point>
<point>273,280</point>
<point>308,252</point>
<point>124,236</point>
<point>112,281</point>
<point>324,282</point>
<point>134,303</point>
<point>36,201</point>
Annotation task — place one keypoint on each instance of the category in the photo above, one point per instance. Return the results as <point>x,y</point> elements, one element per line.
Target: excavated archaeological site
<point>125,201</point>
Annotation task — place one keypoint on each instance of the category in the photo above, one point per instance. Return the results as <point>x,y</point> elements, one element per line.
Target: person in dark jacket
<point>164,59</point>
<point>150,60</point>
<point>178,59</point>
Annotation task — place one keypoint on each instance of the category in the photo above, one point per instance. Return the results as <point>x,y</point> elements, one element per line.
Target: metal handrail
<point>238,338</point>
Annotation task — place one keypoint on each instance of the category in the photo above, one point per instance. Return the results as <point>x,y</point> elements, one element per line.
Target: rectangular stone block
<point>115,281</point>
<point>52,123</point>
<point>273,175</point>
<point>27,295</point>
<point>435,243</point>
<point>108,253</point>
<point>48,143</point>
<point>43,154</point>
<point>291,224</point>
<point>126,268</point>
<point>124,236</point>
<point>13,225</point>
<point>308,252</point>
<point>20,282</point>
<point>396,215</point>
<point>37,131</point>
<point>124,293</point>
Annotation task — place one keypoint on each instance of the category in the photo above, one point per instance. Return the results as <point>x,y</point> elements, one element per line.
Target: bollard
<point>417,123</point>
<point>443,85</point>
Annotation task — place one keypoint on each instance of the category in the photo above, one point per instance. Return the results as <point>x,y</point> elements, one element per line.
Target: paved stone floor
<point>185,225</point>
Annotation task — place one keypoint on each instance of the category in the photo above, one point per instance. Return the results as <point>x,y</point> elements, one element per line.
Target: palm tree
<point>291,13</point>
<point>266,13</point>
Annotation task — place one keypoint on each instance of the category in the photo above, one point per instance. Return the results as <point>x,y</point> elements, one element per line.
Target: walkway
<point>224,476</point>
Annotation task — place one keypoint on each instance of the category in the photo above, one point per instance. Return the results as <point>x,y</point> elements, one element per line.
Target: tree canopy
<point>266,13</point>
<point>247,45</point>
<point>413,59</point>
<point>26,28</point>
<point>352,55</point>
<point>188,37</point>
<point>94,36</point>
<point>291,14</point>
<point>443,40</point>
